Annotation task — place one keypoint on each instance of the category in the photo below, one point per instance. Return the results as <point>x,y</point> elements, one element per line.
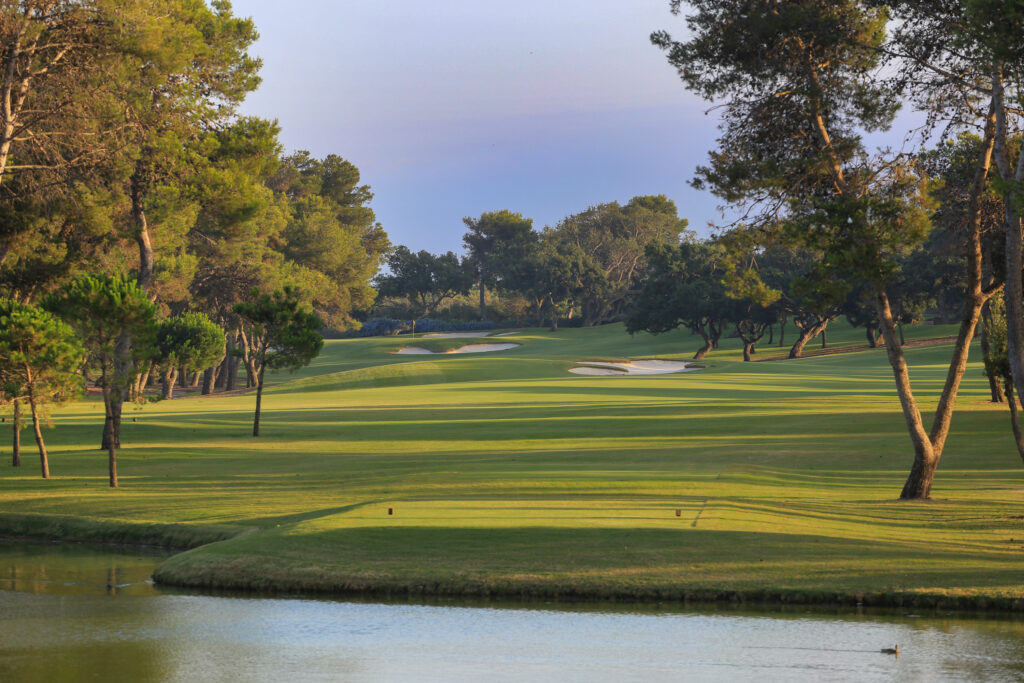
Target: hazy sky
<point>455,107</point>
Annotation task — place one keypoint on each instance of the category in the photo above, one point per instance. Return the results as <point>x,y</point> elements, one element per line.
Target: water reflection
<point>73,569</point>
<point>139,634</point>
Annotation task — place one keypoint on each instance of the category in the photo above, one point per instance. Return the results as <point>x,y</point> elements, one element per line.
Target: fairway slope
<point>504,475</point>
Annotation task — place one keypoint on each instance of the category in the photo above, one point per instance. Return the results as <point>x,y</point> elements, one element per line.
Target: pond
<point>74,613</point>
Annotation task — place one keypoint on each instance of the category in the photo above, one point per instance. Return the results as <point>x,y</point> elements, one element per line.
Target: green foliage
<point>684,287</point>
<point>800,91</point>
<point>331,242</point>
<point>496,236</point>
<point>997,361</point>
<point>190,341</point>
<point>498,243</point>
<point>689,285</point>
<point>38,353</point>
<point>289,337</point>
<point>607,243</point>
<point>103,310</point>
<point>194,58</point>
<point>425,279</point>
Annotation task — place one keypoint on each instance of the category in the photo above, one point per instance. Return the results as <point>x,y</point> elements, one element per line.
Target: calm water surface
<point>71,613</point>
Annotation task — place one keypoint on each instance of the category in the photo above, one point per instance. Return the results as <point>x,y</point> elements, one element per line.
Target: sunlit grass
<point>504,472</point>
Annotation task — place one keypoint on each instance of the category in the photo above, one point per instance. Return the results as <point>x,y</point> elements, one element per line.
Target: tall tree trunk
<point>145,278</point>
<point>231,370</point>
<point>872,334</point>
<point>141,381</point>
<point>210,378</point>
<point>1014,422</point>
<point>16,87</point>
<point>248,357</point>
<point>259,401</point>
<point>1012,178</point>
<point>108,434</point>
<point>771,334</point>
<point>928,450</point>
<point>750,334</point>
<point>824,337</point>
<point>121,380</point>
<point>168,379</point>
<point>806,334</point>
<point>919,483</point>
<point>1013,296</point>
<point>703,351</point>
<point>44,462</point>
<point>483,302</point>
<point>976,294</point>
<point>250,374</point>
<point>782,332</point>
<point>222,373</point>
<point>16,429</point>
<point>994,386</point>
<point>111,454</point>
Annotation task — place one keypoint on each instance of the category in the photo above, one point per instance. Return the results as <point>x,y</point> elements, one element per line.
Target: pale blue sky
<point>455,107</point>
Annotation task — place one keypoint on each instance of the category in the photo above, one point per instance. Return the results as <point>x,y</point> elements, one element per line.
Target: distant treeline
<point>640,264</point>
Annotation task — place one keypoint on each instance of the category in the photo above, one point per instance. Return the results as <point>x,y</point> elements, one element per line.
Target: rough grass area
<point>505,475</point>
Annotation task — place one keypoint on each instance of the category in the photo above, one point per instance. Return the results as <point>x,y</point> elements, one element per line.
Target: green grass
<point>508,475</point>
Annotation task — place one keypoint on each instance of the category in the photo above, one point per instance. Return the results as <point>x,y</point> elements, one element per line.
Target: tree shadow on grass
<point>288,520</point>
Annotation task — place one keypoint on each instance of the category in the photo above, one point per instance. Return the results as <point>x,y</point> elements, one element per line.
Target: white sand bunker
<point>635,367</point>
<point>469,348</point>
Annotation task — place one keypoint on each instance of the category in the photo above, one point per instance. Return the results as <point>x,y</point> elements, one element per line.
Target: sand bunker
<point>636,367</point>
<point>469,348</point>
<point>412,350</point>
<point>483,348</point>
<point>591,370</point>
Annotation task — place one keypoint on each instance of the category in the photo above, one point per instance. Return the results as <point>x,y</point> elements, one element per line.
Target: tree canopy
<point>284,336</point>
<point>800,86</point>
<point>116,322</point>
<point>40,358</point>
<point>425,279</point>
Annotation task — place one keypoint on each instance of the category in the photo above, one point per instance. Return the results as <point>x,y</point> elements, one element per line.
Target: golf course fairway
<point>502,474</point>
